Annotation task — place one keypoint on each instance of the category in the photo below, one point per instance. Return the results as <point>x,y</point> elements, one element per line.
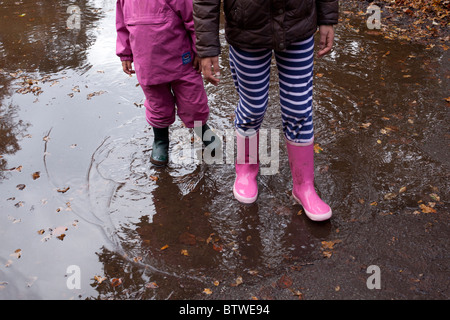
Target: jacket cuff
<point>126,58</point>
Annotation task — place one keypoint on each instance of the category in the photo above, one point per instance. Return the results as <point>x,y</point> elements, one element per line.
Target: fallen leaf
<point>217,247</point>
<point>58,232</point>
<point>317,148</point>
<point>237,282</point>
<point>17,253</point>
<point>435,197</point>
<point>207,291</point>
<point>63,190</point>
<point>426,209</point>
<point>184,252</point>
<point>116,282</point>
<point>284,281</point>
<point>151,285</point>
<point>164,247</point>
<point>36,175</point>
<point>99,279</point>
<point>330,244</point>
<point>389,196</point>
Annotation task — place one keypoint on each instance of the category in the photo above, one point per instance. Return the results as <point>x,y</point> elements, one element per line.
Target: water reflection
<point>169,233</point>
<point>35,35</point>
<point>11,130</point>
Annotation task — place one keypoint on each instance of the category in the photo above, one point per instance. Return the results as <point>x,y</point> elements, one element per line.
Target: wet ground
<point>79,196</point>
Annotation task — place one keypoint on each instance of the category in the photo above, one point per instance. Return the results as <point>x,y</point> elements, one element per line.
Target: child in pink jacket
<point>158,37</point>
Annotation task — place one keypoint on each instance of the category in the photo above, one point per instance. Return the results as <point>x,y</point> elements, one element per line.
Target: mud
<point>80,197</point>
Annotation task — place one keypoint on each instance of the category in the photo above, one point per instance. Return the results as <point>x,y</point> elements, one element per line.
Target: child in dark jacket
<point>256,29</point>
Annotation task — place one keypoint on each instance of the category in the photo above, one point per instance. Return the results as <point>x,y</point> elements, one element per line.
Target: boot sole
<point>244,199</point>
<point>312,216</point>
<point>158,163</point>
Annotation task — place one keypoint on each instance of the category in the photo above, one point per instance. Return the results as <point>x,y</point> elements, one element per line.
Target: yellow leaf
<point>164,247</point>
<point>99,279</point>
<point>207,291</point>
<point>426,209</point>
<point>317,148</point>
<point>184,252</point>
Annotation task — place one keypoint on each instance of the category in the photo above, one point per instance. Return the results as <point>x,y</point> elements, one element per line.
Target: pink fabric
<point>158,35</point>
<point>187,93</point>
<point>301,161</point>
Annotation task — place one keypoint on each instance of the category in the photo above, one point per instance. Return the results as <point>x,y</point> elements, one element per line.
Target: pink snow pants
<point>185,96</point>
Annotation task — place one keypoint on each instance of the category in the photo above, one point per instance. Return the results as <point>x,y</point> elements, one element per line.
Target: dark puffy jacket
<point>260,23</point>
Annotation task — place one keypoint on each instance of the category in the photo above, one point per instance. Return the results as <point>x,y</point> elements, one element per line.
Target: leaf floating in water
<point>36,175</point>
<point>17,253</point>
<point>93,94</point>
<point>99,279</point>
<point>63,190</point>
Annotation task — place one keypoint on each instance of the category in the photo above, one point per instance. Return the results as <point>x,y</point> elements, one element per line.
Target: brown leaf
<point>426,209</point>
<point>151,285</point>
<point>217,247</point>
<point>63,190</point>
<point>284,282</point>
<point>116,282</point>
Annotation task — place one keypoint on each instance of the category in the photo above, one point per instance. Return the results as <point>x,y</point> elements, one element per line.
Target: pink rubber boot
<point>301,161</point>
<point>245,187</point>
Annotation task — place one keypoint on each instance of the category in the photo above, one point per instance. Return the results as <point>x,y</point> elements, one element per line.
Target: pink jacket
<point>158,36</point>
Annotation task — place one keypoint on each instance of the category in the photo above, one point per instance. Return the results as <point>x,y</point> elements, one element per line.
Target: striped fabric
<point>251,74</point>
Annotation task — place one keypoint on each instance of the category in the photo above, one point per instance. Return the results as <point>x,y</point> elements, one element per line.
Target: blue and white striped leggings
<point>251,74</point>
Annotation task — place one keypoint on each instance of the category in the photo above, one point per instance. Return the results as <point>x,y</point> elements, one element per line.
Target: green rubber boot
<point>160,151</point>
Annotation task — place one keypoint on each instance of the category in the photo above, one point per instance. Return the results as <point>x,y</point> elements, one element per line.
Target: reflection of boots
<point>160,151</point>
<point>245,187</point>
<point>301,161</point>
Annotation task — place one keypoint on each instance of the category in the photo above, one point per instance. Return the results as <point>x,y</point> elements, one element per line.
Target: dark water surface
<point>77,187</point>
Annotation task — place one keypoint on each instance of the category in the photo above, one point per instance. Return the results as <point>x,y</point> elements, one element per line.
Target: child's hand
<point>326,39</point>
<point>127,68</point>
<point>210,65</point>
<point>197,64</point>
